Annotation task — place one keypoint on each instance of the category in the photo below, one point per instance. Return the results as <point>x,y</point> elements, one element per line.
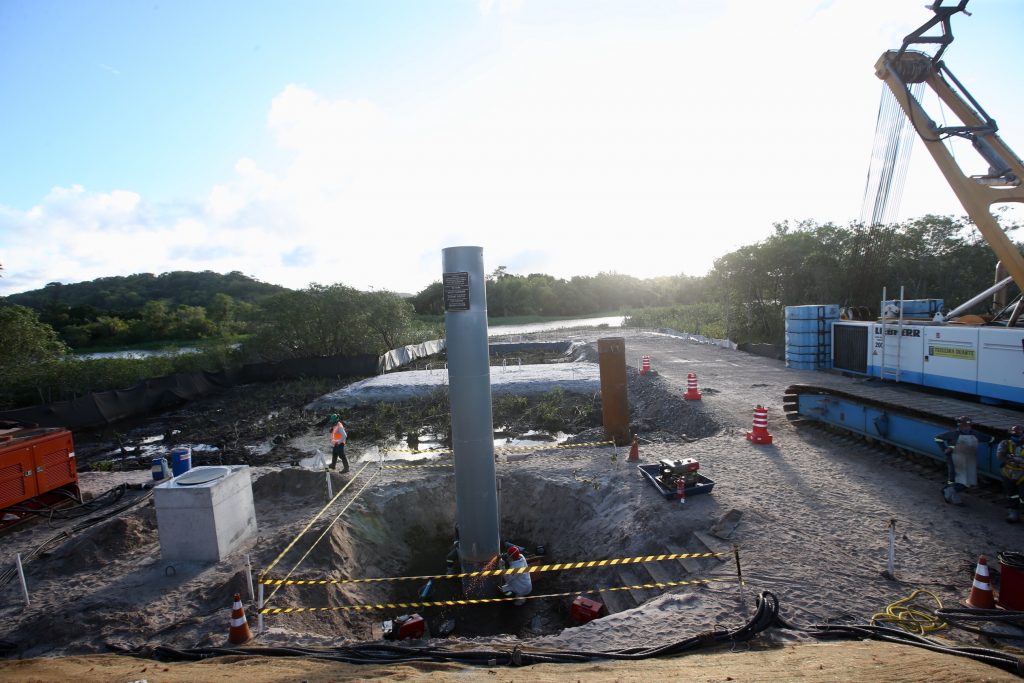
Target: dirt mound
<point>289,485</point>
<point>655,408</point>
<point>114,539</point>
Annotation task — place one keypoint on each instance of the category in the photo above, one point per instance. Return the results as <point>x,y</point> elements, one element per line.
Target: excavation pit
<point>403,526</point>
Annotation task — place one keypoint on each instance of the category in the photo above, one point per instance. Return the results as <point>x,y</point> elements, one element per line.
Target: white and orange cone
<point>239,632</point>
<point>645,365</point>
<point>982,596</point>
<point>759,430</point>
<point>692,392</point>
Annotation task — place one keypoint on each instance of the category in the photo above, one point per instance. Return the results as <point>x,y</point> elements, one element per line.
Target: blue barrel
<point>159,469</point>
<point>181,460</point>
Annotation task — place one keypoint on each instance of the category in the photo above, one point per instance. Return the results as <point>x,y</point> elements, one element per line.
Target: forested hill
<point>122,294</point>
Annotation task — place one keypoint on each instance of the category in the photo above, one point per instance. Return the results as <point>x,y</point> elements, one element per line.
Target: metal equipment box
<point>205,514</point>
<point>34,462</point>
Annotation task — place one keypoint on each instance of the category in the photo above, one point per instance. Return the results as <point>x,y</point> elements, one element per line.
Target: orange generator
<point>37,469</point>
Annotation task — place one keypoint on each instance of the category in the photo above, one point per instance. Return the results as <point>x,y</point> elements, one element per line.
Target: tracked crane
<point>956,364</point>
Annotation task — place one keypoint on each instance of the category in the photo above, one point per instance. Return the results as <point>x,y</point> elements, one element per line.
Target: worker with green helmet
<point>338,438</point>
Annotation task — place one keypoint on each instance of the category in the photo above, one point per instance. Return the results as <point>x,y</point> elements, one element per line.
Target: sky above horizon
<point>350,142</point>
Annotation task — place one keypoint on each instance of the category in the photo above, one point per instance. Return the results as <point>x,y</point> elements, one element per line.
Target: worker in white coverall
<point>518,585</point>
<point>960,447</point>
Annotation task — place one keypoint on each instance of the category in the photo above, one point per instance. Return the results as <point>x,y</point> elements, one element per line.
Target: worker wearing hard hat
<point>960,447</point>
<point>338,438</point>
<point>516,585</point>
<point>1011,468</point>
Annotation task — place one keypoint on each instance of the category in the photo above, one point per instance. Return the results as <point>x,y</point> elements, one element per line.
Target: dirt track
<point>815,510</point>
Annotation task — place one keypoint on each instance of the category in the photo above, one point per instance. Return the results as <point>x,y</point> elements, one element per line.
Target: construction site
<point>809,516</point>
<point>844,507</point>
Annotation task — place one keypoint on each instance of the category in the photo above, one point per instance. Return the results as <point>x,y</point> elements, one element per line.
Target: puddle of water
<point>395,449</point>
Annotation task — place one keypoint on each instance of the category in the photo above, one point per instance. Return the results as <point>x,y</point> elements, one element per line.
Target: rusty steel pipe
<point>611,353</point>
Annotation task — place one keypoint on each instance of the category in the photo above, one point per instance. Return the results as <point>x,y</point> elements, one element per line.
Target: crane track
<point>894,456</point>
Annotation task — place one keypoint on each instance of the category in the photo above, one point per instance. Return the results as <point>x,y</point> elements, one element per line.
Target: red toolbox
<point>584,610</point>
<point>34,462</point>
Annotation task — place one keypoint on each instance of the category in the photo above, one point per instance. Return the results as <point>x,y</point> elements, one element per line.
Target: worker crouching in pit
<point>516,585</point>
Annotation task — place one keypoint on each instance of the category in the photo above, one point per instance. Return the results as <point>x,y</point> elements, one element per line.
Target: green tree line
<point>321,320</point>
<point>742,297</point>
<point>806,262</point>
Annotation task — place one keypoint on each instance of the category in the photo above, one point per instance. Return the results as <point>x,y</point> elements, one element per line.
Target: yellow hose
<point>915,618</point>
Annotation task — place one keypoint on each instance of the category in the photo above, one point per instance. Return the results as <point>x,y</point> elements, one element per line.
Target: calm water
<point>527,328</point>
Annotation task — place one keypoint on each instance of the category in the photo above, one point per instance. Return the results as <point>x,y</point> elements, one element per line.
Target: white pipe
<point>330,491</point>
<point>21,577</point>
<point>248,576</point>
<point>977,299</point>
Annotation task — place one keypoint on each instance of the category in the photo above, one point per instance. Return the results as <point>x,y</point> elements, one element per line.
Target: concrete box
<point>205,522</point>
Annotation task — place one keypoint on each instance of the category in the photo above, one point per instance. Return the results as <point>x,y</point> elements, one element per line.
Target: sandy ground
<point>814,511</point>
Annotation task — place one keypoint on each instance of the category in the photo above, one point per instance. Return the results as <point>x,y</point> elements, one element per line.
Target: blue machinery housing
<point>916,375</point>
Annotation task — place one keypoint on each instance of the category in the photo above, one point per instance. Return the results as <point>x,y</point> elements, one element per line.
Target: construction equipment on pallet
<point>667,474</point>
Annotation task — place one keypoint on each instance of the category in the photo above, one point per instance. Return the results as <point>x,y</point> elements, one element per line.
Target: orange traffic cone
<point>645,365</point>
<point>634,451</point>
<point>239,632</point>
<point>981,596</point>
<point>759,432</point>
<point>692,393</point>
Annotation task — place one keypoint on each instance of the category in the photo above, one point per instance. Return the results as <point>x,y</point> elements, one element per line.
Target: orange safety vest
<point>338,434</point>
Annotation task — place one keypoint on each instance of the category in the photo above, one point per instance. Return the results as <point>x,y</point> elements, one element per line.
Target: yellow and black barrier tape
<point>481,601</point>
<point>313,521</point>
<point>505,449</point>
<point>415,467</point>
<point>561,566</point>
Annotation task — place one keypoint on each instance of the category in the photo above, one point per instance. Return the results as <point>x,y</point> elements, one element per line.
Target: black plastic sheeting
<point>159,393</point>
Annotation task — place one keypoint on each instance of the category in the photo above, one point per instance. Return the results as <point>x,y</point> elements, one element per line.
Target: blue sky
<point>351,141</point>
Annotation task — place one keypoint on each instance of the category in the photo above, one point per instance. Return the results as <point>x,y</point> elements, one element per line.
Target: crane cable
<point>890,157</point>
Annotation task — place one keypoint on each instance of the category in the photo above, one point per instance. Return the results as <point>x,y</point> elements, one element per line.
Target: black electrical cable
<point>49,544</point>
<point>1003,660</point>
<point>957,616</point>
<point>52,512</point>
<point>765,616</point>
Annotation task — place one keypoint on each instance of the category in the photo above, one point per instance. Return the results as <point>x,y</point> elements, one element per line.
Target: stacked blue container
<point>809,336</point>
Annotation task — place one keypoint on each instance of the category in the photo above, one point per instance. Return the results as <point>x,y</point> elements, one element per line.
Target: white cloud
<point>648,151</point>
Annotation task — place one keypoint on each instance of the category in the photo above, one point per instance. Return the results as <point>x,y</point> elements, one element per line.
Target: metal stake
<point>21,577</point>
<point>739,571</point>
<point>892,548</point>
<point>248,576</point>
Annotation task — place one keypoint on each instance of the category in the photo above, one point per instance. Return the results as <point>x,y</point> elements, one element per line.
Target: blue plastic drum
<point>159,469</point>
<point>181,460</point>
